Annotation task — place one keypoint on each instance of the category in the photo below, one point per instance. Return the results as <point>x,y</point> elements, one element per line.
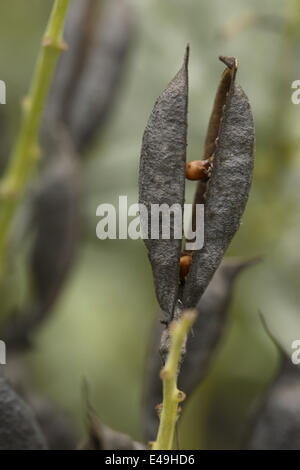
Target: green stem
<point>26,151</point>
<point>171,395</point>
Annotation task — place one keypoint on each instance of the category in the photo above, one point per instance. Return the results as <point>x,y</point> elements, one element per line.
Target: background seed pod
<point>102,437</point>
<point>162,180</point>
<point>98,34</point>
<point>201,345</point>
<point>18,428</point>
<point>57,427</point>
<point>56,219</point>
<point>227,192</point>
<point>276,424</point>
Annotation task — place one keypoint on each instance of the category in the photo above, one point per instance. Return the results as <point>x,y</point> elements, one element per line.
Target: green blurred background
<point>101,325</point>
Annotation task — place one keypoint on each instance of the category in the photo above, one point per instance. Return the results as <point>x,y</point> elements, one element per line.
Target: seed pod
<point>211,322</point>
<point>18,428</point>
<point>213,129</point>
<point>162,180</point>
<point>58,220</point>
<point>57,226</point>
<point>98,34</point>
<point>227,191</point>
<point>101,437</point>
<point>276,424</point>
<point>78,27</point>
<point>201,345</point>
<point>57,427</point>
<point>102,73</point>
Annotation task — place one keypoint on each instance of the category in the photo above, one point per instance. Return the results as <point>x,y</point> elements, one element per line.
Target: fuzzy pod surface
<point>18,427</point>
<point>276,424</point>
<point>227,192</point>
<point>56,220</point>
<point>162,181</point>
<point>98,34</point>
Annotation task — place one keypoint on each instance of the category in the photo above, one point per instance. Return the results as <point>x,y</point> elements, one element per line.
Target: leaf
<point>18,428</point>
<point>162,180</point>
<point>227,192</point>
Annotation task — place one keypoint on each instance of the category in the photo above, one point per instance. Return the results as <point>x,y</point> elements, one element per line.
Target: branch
<point>171,395</point>
<point>26,152</point>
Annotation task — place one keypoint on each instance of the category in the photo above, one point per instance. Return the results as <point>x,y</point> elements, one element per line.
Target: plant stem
<point>26,151</point>
<point>171,395</point>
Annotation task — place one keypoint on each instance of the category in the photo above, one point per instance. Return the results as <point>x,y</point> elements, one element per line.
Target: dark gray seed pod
<point>79,23</point>
<point>57,427</point>
<point>98,34</point>
<point>201,344</point>
<point>18,428</point>
<point>102,437</point>
<point>105,59</point>
<point>162,181</point>
<point>276,425</point>
<point>211,321</point>
<point>56,217</point>
<point>227,192</point>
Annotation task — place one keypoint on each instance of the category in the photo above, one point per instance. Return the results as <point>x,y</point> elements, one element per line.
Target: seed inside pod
<point>197,170</point>
<point>185,263</point>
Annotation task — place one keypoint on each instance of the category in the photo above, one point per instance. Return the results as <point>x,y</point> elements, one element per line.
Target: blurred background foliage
<point>101,324</point>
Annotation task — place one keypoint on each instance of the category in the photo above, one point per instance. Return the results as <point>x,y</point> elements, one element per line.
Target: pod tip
<point>230,62</point>
<point>186,56</point>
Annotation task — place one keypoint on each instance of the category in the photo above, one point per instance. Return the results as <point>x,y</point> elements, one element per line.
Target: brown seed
<point>185,263</point>
<point>197,170</point>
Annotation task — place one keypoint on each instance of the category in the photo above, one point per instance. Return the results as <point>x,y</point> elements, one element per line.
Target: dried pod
<point>201,345</point>
<point>210,323</point>
<point>57,217</point>
<point>57,427</point>
<point>101,437</point>
<point>227,191</point>
<point>102,73</point>
<point>70,65</point>
<point>162,181</point>
<point>18,428</point>
<point>57,226</point>
<point>98,34</point>
<point>275,425</point>
<point>216,117</point>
